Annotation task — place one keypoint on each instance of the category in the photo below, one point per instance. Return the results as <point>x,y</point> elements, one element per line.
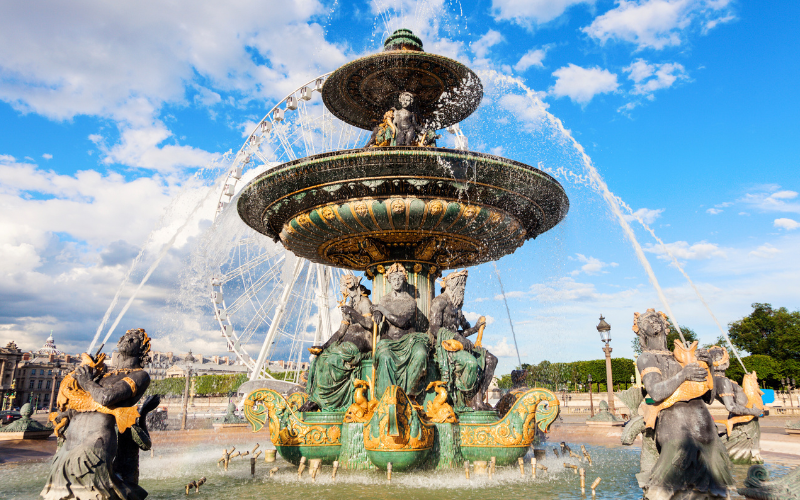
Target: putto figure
<point>465,368</point>
<point>692,463</point>
<point>333,371</point>
<point>405,122</point>
<point>100,430</point>
<point>401,357</point>
<point>742,431</point>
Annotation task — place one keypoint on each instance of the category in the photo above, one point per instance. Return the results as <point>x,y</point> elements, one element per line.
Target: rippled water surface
<point>165,475</point>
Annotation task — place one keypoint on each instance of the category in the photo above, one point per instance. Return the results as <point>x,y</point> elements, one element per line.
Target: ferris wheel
<point>268,303</point>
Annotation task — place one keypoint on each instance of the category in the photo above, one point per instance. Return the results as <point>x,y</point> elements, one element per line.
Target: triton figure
<point>467,369</point>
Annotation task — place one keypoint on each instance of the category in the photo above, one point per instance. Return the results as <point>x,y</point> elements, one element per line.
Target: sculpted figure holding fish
<point>693,462</point>
<point>100,430</point>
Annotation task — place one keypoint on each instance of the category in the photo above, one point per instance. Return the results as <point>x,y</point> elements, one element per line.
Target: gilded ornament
<point>417,267</point>
<point>380,269</point>
<point>361,209</point>
<point>435,207</point>
<point>471,211</point>
<point>264,406</point>
<point>398,206</point>
<point>495,218</point>
<point>327,213</point>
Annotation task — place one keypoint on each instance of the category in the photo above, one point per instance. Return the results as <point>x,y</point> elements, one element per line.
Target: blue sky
<point>687,109</point>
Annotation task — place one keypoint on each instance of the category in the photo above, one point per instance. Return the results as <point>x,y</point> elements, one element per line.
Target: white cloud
<point>657,23</point>
<point>714,211</point>
<point>533,57</point>
<point>47,156</point>
<point>765,251</point>
<point>531,12</point>
<point>787,224</point>
<point>646,215</point>
<point>682,250</point>
<point>503,349</point>
<point>143,147</point>
<point>591,265</point>
<point>773,200</point>
<point>481,47</point>
<point>582,84</point>
<point>648,78</point>
<point>472,317</point>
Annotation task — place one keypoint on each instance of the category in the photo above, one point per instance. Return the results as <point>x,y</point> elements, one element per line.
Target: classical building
<point>162,365</point>
<point>39,374</point>
<point>10,356</point>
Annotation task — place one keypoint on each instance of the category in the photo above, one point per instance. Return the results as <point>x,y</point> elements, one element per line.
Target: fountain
<point>402,210</point>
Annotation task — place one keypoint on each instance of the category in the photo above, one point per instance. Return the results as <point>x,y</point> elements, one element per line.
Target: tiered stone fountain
<point>428,208</point>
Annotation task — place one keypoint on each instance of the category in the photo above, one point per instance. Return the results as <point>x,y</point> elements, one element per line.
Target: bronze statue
<point>742,431</point>
<point>384,133</point>
<point>100,430</point>
<point>333,371</point>
<point>692,461</point>
<point>465,368</point>
<point>401,357</point>
<point>405,122</point>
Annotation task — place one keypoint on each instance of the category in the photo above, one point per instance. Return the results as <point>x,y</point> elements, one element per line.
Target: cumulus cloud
<point>504,349</point>
<point>773,200</point>
<point>787,224</point>
<point>582,84</point>
<point>567,289</point>
<point>714,211</point>
<point>482,46</point>
<point>47,156</point>
<point>765,251</point>
<point>533,57</point>
<point>646,215</point>
<point>532,12</point>
<point>648,78</point>
<point>591,265</point>
<point>472,317</point>
<point>657,24</point>
<point>682,250</point>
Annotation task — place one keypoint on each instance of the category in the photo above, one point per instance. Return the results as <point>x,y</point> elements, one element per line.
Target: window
<point>48,385</point>
<point>40,384</point>
<point>42,370</point>
<point>47,397</point>
<point>49,372</point>
<point>31,386</point>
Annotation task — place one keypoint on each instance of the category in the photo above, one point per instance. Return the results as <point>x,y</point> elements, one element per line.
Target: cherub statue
<point>405,122</point>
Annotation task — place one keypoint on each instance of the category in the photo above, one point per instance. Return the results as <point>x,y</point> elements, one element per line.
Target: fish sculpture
<point>72,397</point>
<point>753,393</point>
<point>688,390</point>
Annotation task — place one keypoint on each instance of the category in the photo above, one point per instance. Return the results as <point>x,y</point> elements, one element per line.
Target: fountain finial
<point>403,39</point>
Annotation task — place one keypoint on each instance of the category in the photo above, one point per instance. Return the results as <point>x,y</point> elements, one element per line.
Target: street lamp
<point>605,335</point>
<point>591,405</point>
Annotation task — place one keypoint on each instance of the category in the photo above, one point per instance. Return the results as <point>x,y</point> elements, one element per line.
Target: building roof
<point>49,347</point>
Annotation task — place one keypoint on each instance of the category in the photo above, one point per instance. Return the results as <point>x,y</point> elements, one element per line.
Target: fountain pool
<point>165,476</point>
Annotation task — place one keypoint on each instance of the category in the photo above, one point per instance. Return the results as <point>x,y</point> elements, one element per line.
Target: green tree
<point>768,369</point>
<point>689,334</point>
<point>768,331</point>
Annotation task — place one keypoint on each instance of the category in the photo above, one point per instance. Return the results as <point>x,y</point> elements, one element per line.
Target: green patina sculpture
<point>759,485</point>
<point>401,357</point>
<point>467,369</point>
<point>336,366</point>
<point>604,415</point>
<point>26,424</point>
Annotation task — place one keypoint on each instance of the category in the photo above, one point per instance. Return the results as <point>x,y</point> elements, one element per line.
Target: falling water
<point>167,246</point>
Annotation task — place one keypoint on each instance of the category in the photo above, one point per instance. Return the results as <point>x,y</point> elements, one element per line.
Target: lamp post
<point>605,335</point>
<point>790,385</point>
<point>591,405</point>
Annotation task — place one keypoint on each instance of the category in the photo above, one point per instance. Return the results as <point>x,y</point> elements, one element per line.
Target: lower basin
<point>174,465</point>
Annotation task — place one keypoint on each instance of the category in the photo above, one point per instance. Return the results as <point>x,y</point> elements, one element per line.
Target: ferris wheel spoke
<point>249,293</point>
<point>252,264</point>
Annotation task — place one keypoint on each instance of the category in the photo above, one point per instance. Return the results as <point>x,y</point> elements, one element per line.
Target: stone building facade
<point>10,356</point>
